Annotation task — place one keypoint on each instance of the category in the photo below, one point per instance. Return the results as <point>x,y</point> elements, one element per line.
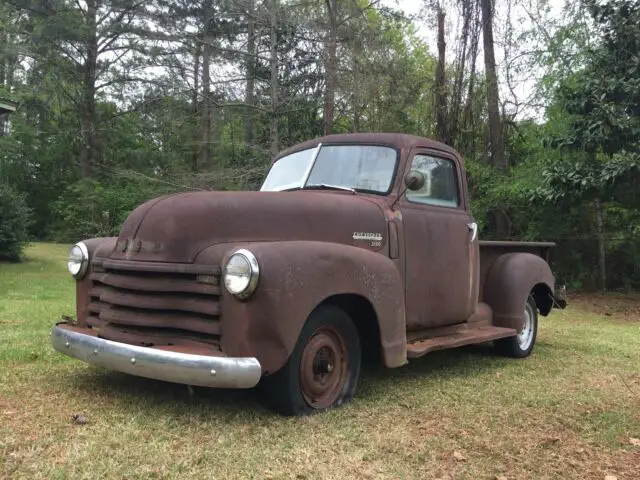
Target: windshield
<point>358,167</point>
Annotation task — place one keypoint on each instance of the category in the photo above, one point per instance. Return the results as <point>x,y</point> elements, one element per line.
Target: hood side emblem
<point>374,239</point>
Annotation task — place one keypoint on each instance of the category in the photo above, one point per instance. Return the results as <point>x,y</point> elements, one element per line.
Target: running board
<point>477,335</point>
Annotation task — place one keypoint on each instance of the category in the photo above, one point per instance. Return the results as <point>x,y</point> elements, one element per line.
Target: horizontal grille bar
<point>154,301</point>
<point>174,320</point>
<point>156,283</point>
<point>95,307</point>
<point>172,268</point>
<point>94,321</point>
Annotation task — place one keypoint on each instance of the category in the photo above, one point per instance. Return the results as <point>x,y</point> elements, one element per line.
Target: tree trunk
<point>250,61</point>
<point>357,111</point>
<point>456,102</point>
<point>357,101</point>
<point>441,88</point>
<point>8,58</point>
<point>88,108</point>
<point>197,53</point>
<point>468,126</point>
<point>275,141</point>
<point>4,44</point>
<point>496,141</point>
<point>205,127</point>
<point>331,46</point>
<point>602,264</point>
<point>11,63</point>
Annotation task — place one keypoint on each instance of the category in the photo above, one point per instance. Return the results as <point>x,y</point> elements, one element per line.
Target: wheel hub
<point>525,337</point>
<point>323,361</point>
<point>323,369</point>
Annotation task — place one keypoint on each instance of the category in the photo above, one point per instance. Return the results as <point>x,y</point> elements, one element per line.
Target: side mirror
<point>414,180</point>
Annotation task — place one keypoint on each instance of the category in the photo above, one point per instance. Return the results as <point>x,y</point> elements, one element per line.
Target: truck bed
<point>490,250</point>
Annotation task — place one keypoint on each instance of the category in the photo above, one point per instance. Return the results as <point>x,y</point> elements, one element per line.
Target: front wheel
<point>522,344</point>
<point>322,372</point>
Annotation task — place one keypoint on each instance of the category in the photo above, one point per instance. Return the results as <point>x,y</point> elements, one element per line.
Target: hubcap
<point>323,369</point>
<point>525,337</point>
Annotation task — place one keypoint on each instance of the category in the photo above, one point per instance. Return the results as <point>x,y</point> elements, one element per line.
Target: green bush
<point>14,221</point>
<point>90,208</point>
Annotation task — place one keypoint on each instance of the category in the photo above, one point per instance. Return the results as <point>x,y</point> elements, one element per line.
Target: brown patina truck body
<point>410,275</point>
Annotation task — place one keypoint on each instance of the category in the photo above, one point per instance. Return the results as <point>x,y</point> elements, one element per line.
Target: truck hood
<point>176,228</point>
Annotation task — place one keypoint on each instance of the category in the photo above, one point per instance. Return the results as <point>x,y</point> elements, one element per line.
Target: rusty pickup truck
<point>357,246</point>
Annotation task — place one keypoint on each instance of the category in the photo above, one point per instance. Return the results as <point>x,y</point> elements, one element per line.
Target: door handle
<point>473,228</point>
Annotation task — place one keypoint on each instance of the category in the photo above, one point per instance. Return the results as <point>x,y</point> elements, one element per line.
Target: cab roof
<point>401,141</point>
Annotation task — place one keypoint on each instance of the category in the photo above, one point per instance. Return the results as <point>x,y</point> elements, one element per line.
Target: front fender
<point>295,277</point>
<point>510,280</point>
<point>102,247</point>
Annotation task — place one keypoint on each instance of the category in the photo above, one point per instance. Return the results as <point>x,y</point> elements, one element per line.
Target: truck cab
<point>357,246</point>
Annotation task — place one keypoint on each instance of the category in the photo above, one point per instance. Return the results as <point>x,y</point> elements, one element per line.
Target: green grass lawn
<point>571,410</point>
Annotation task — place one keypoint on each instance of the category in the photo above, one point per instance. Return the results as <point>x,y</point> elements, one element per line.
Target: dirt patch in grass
<point>618,306</point>
<point>9,322</point>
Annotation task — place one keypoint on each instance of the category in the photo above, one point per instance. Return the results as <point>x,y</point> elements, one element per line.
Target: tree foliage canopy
<point>121,101</point>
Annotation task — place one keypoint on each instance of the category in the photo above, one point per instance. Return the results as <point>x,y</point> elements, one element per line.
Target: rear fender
<point>510,281</point>
<point>296,277</point>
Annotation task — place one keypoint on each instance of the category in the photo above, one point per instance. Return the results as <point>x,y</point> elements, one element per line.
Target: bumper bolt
<point>95,352</point>
<point>213,373</point>
<point>133,361</point>
<point>67,344</point>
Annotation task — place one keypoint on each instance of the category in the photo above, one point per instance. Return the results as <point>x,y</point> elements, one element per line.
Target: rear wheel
<point>322,372</point>
<point>522,344</point>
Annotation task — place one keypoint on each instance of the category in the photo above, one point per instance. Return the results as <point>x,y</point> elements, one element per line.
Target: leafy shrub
<point>14,222</point>
<point>89,208</point>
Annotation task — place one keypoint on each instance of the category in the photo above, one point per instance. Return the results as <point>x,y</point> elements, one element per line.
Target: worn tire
<point>328,335</point>
<point>522,344</point>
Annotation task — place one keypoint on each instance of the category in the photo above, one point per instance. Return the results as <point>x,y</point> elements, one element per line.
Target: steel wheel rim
<point>525,337</point>
<point>323,368</point>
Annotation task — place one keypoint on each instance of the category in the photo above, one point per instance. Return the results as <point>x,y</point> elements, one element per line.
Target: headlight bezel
<point>84,262</point>
<point>254,273</point>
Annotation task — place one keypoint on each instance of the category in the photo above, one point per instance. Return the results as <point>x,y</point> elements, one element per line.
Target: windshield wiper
<point>326,186</point>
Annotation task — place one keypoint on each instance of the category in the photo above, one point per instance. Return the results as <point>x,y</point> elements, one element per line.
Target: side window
<point>441,182</point>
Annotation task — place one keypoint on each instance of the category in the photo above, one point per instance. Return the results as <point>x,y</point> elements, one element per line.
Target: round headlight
<point>241,273</point>
<point>78,260</point>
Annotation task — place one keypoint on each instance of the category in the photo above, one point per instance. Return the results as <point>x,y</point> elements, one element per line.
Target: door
<point>440,245</point>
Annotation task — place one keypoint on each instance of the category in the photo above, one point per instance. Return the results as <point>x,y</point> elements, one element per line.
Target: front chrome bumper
<point>200,370</point>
